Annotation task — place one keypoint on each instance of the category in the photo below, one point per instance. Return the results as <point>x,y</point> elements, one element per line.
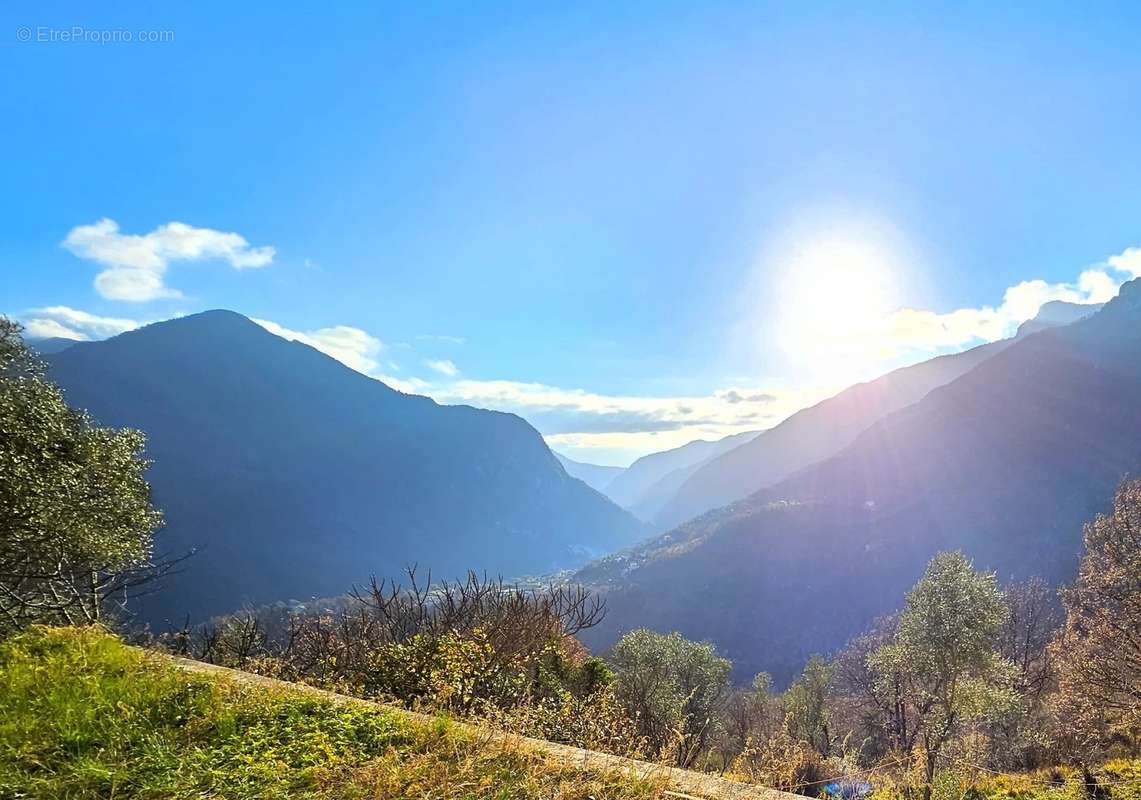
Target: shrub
<point>673,689</point>
<point>476,647</point>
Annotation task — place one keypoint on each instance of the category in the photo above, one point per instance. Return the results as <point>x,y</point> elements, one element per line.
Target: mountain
<point>297,476</point>
<point>1005,463</point>
<point>820,431</point>
<point>596,476</point>
<point>1057,312</point>
<point>50,345</point>
<point>652,479</point>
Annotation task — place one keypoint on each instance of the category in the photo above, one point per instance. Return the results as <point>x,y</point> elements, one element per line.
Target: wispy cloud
<point>582,419</point>
<point>442,339</point>
<point>136,264</point>
<point>1128,261</point>
<point>70,323</point>
<point>353,347</point>
<point>908,334</point>
<point>443,366</point>
<point>919,329</point>
<point>733,396</point>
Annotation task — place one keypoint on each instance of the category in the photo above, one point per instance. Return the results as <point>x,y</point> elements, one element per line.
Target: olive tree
<point>1022,739</point>
<point>753,712</point>
<point>807,715</point>
<point>674,690</point>
<point>943,661</point>
<point>76,521</point>
<point>882,717</point>
<point>1099,648</point>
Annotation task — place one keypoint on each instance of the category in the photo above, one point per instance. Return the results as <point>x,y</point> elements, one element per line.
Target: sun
<point>835,299</point>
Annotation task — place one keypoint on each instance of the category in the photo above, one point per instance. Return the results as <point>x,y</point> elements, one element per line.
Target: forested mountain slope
<point>296,476</point>
<point>821,431</point>
<point>647,484</point>
<point>1005,463</point>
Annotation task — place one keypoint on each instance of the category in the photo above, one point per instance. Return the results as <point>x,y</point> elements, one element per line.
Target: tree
<point>882,715</point>
<point>1099,649</point>
<point>750,713</point>
<point>806,706</point>
<point>673,688</point>
<point>76,521</point>
<point>943,660</point>
<point>1024,639</point>
<point>1021,739</point>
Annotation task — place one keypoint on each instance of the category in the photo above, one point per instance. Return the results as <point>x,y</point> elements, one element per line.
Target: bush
<point>476,647</point>
<point>673,689</point>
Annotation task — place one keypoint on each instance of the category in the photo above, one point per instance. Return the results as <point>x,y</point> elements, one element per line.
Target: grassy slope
<point>83,716</point>
<point>1121,777</point>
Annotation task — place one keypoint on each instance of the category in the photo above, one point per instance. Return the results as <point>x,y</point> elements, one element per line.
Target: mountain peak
<point>295,476</point>
<point>1129,294</point>
<point>1055,313</point>
<point>215,318</point>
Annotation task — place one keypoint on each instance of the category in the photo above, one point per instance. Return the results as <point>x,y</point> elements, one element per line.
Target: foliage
<point>806,706</point>
<point>873,704</point>
<point>76,522</point>
<point>752,714</point>
<point>942,660</point>
<point>674,690</point>
<point>81,715</point>
<point>1100,647</point>
<point>478,647</point>
<point>1023,737</point>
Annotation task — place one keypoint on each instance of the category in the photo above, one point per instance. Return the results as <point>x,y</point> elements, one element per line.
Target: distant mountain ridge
<point>1005,462</point>
<point>1057,312</point>
<point>596,476</point>
<point>651,480</point>
<point>298,476</point>
<point>820,431</point>
<point>50,345</point>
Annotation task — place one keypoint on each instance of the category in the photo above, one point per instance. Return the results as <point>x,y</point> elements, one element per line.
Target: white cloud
<point>443,366</point>
<point>71,323</point>
<point>136,263</point>
<point>353,347</point>
<point>625,426</point>
<point>134,285</point>
<point>1128,261</point>
<point>442,339</point>
<point>406,385</point>
<point>918,331</point>
<point>566,414</point>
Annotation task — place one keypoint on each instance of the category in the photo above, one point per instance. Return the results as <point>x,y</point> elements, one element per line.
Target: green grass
<point>1121,777</point>
<point>84,716</point>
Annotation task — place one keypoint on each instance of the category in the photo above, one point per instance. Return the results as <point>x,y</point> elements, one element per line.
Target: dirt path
<point>682,783</point>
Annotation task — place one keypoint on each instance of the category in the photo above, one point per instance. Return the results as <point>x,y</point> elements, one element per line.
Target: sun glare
<point>835,299</point>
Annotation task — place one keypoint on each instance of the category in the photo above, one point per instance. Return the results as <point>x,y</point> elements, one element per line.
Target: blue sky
<point>633,223</point>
